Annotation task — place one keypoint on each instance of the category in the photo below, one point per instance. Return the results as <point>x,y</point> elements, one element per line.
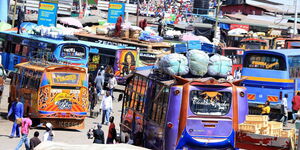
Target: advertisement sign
<point>114,11</point>
<point>47,13</point>
<point>65,78</point>
<point>241,26</point>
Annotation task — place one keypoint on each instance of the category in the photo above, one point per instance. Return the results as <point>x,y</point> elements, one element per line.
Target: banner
<point>47,13</point>
<point>114,11</point>
<point>241,26</point>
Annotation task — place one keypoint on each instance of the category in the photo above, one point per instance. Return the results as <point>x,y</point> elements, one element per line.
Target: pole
<point>217,19</point>
<point>14,15</point>
<point>296,18</point>
<point>137,13</point>
<point>127,14</point>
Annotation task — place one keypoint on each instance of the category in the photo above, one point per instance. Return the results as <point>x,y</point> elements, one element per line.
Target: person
<point>112,133</point>
<point>160,26</point>
<point>48,135</point>
<point>238,74</point>
<point>284,110</point>
<point>25,126</point>
<point>99,83</point>
<point>143,24</point>
<point>16,111</point>
<point>35,141</point>
<point>229,77</point>
<point>295,106</point>
<point>92,96</point>
<point>106,106</point>
<point>118,26</point>
<point>265,110</point>
<point>112,83</point>
<point>21,17</point>
<point>98,135</point>
<point>128,64</point>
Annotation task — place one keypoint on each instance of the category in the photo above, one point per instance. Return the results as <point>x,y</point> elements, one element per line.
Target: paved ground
<point>65,136</point>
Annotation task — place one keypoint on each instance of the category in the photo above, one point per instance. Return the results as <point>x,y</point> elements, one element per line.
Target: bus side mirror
<point>120,97</point>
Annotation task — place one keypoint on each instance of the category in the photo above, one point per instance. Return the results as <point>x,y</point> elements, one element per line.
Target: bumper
<point>198,142</point>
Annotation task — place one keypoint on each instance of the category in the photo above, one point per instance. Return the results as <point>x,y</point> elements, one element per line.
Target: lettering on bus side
<point>268,66</point>
<point>66,124</point>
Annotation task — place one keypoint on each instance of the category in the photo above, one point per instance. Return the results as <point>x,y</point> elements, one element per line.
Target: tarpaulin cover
<point>198,62</point>
<point>174,64</point>
<point>219,65</point>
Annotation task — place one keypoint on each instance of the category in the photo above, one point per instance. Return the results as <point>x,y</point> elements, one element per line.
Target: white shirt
<point>112,82</point>
<point>106,103</point>
<point>46,137</point>
<point>284,102</point>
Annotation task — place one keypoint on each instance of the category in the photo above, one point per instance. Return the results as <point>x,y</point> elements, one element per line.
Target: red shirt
<point>296,102</point>
<point>111,126</point>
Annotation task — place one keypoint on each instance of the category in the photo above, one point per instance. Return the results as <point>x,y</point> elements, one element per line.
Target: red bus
<point>236,55</point>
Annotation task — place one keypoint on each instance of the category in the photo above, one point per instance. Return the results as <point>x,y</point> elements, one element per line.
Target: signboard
<point>65,78</point>
<point>47,14</point>
<point>241,26</point>
<point>114,11</point>
<point>195,44</point>
<point>73,51</point>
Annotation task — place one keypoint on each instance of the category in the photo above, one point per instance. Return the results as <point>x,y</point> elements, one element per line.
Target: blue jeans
<point>105,116</point>
<point>112,92</point>
<point>294,114</point>
<point>25,140</point>
<point>15,128</point>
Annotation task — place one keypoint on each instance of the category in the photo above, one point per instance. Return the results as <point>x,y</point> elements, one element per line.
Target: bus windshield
<point>65,78</point>
<point>210,102</point>
<point>73,51</point>
<point>253,45</point>
<point>264,61</point>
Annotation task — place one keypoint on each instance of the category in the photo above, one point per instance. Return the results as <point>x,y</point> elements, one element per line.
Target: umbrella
<point>4,26</point>
<point>237,31</point>
<point>70,21</point>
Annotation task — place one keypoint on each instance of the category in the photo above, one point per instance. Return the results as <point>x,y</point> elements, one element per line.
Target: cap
<point>49,125</point>
<point>99,126</point>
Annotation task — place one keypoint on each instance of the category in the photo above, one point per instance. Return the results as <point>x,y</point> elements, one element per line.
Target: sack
<point>198,62</point>
<point>219,66</point>
<point>12,117</point>
<point>174,64</point>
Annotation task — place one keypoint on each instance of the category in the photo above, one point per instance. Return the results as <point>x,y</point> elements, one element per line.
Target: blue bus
<point>271,74</point>
<point>17,48</point>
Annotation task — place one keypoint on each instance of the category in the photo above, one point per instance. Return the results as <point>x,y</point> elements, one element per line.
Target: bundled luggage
<point>219,65</point>
<point>174,64</point>
<point>198,62</point>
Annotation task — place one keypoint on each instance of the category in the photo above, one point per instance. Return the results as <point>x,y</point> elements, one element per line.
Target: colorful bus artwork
<point>51,93</point>
<point>270,75</point>
<point>17,48</point>
<point>118,60</point>
<point>209,112</point>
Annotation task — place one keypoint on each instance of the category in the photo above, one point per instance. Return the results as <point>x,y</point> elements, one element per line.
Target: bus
<point>236,55</point>
<point>161,113</point>
<point>51,93</point>
<point>118,60</point>
<point>16,48</point>
<point>271,74</point>
<point>254,43</point>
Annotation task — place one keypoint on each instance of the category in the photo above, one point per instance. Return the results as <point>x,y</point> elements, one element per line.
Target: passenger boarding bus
<point>271,74</point>
<point>17,48</point>
<point>51,93</point>
<point>165,114</point>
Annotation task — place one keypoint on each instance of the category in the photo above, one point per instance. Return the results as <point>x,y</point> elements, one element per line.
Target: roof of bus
<point>57,41</point>
<point>36,67</point>
<point>286,52</point>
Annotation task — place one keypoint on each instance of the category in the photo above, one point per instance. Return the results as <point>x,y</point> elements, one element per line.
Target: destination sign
<point>65,78</point>
<point>266,65</point>
<point>73,51</point>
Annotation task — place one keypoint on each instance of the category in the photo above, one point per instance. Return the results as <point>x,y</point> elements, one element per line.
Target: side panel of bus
<point>125,63</point>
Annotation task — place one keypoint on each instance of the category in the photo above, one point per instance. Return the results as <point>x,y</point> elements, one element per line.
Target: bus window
<point>294,66</point>
<point>73,51</point>
<point>265,61</point>
<point>203,103</point>
<point>158,104</point>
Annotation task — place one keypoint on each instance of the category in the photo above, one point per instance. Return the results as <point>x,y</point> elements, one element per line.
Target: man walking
<point>16,111</point>
<point>106,106</point>
<point>98,135</point>
<point>296,106</point>
<point>26,124</point>
<point>35,141</point>
<point>99,83</point>
<point>112,83</point>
